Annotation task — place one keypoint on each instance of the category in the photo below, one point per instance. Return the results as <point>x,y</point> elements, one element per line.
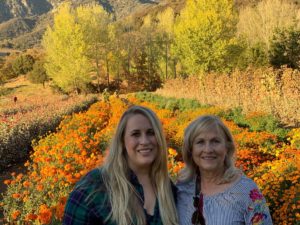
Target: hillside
<point>23,22</point>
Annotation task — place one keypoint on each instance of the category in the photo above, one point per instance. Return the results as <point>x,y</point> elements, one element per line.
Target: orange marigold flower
<point>68,167</point>
<point>77,175</point>
<point>26,183</point>
<point>45,214</point>
<point>19,177</point>
<point>7,182</point>
<point>59,210</point>
<point>16,195</point>
<point>40,187</point>
<point>31,216</point>
<point>15,214</point>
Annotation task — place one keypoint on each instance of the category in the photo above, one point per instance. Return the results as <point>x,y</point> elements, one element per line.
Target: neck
<point>211,177</point>
<point>142,174</point>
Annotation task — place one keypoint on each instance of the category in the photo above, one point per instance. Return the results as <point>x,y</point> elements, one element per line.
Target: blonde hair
<point>200,125</point>
<point>122,194</point>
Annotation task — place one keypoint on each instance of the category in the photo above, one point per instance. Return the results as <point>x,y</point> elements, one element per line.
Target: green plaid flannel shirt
<point>88,203</point>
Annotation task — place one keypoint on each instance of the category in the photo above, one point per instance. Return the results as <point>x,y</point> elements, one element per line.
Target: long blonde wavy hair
<point>125,206</point>
<point>200,125</point>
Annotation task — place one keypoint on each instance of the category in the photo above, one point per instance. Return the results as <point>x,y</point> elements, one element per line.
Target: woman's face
<point>140,142</point>
<point>209,151</point>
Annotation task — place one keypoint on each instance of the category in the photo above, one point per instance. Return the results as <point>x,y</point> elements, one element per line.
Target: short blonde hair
<point>124,207</point>
<point>200,125</point>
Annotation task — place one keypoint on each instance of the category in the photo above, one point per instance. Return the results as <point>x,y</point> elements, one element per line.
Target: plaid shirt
<point>89,204</point>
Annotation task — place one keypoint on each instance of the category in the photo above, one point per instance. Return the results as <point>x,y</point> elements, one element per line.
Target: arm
<point>77,211</point>
<point>257,212</point>
<point>87,203</point>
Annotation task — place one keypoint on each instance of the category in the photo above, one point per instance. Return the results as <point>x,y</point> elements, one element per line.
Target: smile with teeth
<point>208,157</point>
<point>146,150</point>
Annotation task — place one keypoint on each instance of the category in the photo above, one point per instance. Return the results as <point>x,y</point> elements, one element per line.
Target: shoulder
<point>246,184</point>
<point>247,191</point>
<point>90,185</point>
<point>185,186</point>
<point>88,199</point>
<point>93,177</point>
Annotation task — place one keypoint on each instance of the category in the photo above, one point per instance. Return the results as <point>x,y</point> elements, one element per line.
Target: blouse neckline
<point>226,190</point>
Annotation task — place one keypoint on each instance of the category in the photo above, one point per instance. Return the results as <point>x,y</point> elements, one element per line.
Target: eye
<point>215,140</point>
<point>135,134</point>
<point>200,141</point>
<point>151,132</point>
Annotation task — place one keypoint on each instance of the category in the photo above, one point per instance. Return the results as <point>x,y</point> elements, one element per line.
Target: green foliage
<point>172,104</point>
<point>204,35</point>
<point>7,72</point>
<point>236,115</point>
<point>255,56</point>
<point>23,64</point>
<point>285,48</point>
<point>66,60</point>
<point>98,36</point>
<point>258,24</point>
<point>257,122</point>
<point>38,74</point>
<point>165,27</point>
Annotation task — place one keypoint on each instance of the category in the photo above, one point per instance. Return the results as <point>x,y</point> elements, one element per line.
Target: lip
<point>208,157</point>
<point>145,150</point>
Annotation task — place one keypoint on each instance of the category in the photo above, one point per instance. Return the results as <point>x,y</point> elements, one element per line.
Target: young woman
<point>132,187</point>
<point>211,190</point>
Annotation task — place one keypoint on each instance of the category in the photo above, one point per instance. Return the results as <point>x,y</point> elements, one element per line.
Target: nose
<point>208,147</point>
<point>144,140</point>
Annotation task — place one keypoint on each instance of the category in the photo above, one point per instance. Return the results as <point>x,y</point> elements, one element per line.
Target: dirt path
<point>4,175</point>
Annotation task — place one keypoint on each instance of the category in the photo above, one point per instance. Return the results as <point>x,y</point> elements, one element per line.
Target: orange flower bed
<point>60,159</point>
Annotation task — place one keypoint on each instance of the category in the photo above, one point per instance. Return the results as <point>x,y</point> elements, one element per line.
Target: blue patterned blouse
<point>242,203</point>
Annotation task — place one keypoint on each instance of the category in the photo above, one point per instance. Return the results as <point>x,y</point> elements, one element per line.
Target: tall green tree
<point>204,35</point>
<point>95,23</point>
<point>165,27</point>
<point>67,62</point>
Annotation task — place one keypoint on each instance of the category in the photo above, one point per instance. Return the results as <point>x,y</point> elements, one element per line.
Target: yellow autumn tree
<point>67,63</point>
<point>205,35</point>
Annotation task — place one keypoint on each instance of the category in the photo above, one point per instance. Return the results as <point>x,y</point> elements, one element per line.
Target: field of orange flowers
<point>60,159</point>
<point>29,118</point>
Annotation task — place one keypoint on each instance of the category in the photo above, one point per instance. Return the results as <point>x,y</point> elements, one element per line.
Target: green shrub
<point>173,104</point>
<point>23,64</point>
<point>285,48</point>
<point>7,72</point>
<point>38,74</point>
<point>237,116</point>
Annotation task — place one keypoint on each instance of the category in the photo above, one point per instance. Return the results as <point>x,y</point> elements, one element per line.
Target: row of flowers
<point>31,120</point>
<point>79,144</point>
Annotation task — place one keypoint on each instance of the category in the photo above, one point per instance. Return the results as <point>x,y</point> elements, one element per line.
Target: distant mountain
<point>23,22</point>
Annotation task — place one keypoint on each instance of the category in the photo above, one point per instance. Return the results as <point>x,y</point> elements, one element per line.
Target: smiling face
<point>209,150</point>
<point>140,142</point>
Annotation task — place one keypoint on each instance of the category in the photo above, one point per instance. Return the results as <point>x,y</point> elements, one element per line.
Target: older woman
<point>133,186</point>
<point>211,190</point>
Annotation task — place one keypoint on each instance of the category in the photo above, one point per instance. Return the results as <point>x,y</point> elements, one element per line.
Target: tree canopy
<point>204,34</point>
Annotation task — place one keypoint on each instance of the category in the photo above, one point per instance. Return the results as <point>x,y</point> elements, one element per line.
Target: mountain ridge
<point>23,22</point>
